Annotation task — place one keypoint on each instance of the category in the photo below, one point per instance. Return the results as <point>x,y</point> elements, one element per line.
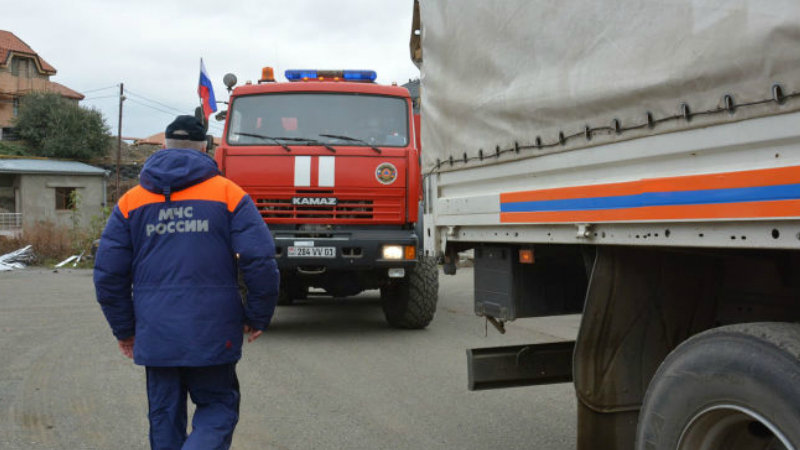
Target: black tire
<point>284,298</point>
<point>410,302</point>
<point>735,387</point>
<point>298,292</point>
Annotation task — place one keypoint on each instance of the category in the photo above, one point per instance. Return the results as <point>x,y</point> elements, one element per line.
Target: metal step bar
<point>520,365</point>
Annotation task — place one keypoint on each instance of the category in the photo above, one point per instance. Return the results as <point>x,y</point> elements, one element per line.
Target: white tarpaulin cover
<point>499,72</point>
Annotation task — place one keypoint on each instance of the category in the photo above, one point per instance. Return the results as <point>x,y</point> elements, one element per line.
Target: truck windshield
<point>367,120</point>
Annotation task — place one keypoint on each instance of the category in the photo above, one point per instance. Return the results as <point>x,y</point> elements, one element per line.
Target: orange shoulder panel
<point>136,198</point>
<point>217,189</point>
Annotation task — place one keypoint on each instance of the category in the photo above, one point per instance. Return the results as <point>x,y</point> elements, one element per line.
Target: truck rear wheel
<point>410,302</point>
<point>732,388</point>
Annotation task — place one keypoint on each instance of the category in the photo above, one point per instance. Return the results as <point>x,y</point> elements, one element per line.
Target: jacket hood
<point>172,170</point>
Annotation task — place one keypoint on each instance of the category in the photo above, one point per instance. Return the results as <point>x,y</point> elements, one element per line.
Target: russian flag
<point>206,92</point>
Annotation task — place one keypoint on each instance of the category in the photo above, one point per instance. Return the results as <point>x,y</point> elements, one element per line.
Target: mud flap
<point>641,303</point>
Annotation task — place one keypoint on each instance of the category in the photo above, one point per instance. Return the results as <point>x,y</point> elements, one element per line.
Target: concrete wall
<point>38,198</point>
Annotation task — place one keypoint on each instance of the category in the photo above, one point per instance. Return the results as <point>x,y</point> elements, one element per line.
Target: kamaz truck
<point>637,162</point>
<point>332,161</point>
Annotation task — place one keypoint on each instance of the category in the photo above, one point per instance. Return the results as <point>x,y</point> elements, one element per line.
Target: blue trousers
<point>215,392</point>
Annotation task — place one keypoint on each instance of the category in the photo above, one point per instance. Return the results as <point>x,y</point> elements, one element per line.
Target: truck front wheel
<point>410,302</point>
<point>285,297</point>
<point>732,388</point>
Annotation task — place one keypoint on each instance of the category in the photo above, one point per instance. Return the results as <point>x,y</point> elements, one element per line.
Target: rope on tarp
<point>729,106</point>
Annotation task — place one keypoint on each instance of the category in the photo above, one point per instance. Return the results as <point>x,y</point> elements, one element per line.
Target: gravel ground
<point>328,374</point>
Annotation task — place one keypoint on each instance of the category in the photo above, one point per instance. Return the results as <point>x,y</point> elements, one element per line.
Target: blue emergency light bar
<point>359,75</point>
<point>299,75</point>
<point>331,75</point>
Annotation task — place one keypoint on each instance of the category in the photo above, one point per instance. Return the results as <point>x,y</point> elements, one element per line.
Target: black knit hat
<point>187,128</point>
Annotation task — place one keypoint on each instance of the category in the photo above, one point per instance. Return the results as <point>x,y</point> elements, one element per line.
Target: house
<point>41,190</point>
<point>23,71</point>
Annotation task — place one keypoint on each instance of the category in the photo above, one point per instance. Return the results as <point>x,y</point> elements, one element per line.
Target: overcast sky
<point>154,47</point>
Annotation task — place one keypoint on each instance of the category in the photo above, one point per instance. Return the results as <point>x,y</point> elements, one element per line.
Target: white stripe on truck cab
<point>302,171</point>
<point>327,171</point>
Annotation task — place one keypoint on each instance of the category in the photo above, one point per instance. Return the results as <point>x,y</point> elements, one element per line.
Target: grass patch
<point>9,148</point>
<point>51,244</point>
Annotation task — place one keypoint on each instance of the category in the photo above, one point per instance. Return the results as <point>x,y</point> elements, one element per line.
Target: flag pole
<point>199,97</point>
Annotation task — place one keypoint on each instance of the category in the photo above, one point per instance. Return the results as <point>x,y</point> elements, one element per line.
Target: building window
<point>16,107</point>
<point>65,198</point>
<point>22,67</point>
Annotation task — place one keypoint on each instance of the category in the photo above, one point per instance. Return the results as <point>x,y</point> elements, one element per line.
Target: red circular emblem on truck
<point>386,173</point>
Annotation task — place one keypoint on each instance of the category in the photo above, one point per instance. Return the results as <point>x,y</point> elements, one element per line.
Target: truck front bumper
<point>345,248</point>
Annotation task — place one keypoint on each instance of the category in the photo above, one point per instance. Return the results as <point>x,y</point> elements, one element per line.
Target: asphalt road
<point>328,374</point>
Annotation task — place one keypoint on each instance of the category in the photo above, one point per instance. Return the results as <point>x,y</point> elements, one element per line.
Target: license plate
<point>312,252</point>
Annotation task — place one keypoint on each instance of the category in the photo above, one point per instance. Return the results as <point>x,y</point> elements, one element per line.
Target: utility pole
<point>119,140</point>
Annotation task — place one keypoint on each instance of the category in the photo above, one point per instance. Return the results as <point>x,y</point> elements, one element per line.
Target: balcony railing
<point>10,221</point>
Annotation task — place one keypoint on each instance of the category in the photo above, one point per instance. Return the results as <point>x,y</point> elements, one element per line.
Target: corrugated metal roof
<point>44,166</point>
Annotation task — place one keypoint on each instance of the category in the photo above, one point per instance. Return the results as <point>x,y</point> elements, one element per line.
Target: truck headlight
<point>392,252</point>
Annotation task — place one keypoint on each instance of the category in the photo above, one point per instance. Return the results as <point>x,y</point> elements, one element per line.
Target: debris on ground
<point>16,259</point>
<point>74,259</point>
<point>466,258</point>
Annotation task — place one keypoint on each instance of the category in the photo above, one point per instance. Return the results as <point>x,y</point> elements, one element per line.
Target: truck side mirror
<point>198,113</point>
<point>209,143</point>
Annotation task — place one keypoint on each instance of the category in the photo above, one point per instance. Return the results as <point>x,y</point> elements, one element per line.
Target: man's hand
<point>254,334</point>
<point>126,346</point>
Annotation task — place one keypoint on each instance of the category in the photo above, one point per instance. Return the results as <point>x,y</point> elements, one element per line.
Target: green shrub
<point>55,127</point>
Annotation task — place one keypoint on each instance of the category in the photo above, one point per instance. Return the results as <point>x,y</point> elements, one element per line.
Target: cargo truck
<point>331,160</point>
<point>637,162</point>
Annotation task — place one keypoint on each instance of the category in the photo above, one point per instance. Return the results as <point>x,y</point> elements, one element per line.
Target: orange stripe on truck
<point>743,210</point>
<point>727,180</point>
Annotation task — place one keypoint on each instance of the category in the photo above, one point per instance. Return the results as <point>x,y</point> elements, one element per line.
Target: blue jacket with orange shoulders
<point>166,268</point>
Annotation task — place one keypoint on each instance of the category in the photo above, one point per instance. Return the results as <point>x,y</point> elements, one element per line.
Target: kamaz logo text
<point>314,201</point>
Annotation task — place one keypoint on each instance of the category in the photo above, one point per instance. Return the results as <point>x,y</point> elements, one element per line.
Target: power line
<point>98,98</point>
<point>169,113</point>
<point>100,89</point>
<point>155,101</point>
<point>177,110</point>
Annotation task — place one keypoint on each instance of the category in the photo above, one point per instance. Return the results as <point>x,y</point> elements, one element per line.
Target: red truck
<point>331,159</point>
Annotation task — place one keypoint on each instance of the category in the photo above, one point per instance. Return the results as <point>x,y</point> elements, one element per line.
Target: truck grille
<point>354,206</point>
<point>282,208</point>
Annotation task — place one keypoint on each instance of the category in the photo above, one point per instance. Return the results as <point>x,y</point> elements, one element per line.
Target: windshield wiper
<point>315,142</point>
<point>273,139</point>
<point>351,139</point>
<point>278,139</point>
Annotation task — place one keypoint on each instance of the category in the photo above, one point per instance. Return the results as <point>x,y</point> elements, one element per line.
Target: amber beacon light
<point>267,75</point>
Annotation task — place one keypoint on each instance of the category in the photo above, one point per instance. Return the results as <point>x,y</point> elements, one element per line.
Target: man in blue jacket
<point>166,279</point>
